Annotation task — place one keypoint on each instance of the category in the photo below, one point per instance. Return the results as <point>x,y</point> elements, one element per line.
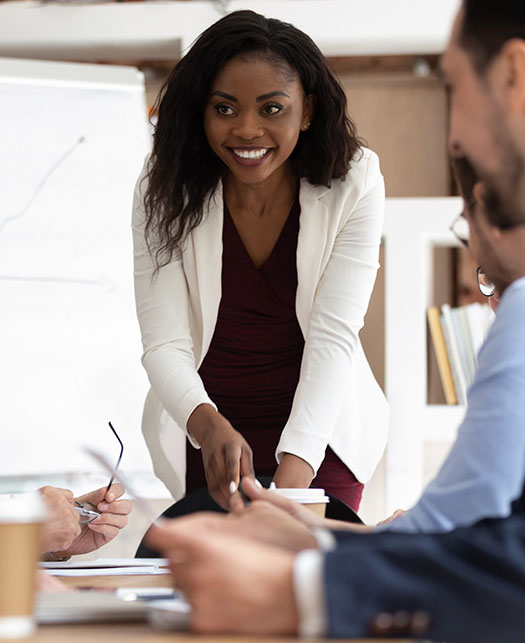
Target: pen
<point>86,514</point>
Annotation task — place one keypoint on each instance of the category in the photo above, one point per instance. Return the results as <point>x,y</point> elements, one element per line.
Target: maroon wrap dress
<point>252,366</point>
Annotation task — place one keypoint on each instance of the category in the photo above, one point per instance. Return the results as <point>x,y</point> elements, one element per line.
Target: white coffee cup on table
<point>314,499</point>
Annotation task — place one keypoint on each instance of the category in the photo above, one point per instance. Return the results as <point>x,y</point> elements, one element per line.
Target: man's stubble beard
<point>504,189</point>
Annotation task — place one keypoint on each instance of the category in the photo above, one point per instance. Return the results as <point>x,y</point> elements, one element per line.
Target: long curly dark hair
<point>183,172</point>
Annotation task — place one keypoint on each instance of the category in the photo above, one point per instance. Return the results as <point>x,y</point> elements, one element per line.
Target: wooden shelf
<point>413,227</point>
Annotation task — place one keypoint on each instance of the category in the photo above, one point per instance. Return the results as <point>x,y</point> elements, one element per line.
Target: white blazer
<point>337,401</point>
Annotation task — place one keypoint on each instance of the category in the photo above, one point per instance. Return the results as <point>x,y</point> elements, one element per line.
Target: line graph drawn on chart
<point>74,138</point>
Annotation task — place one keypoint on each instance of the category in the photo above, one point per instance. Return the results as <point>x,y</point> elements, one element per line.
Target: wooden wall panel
<point>403,118</point>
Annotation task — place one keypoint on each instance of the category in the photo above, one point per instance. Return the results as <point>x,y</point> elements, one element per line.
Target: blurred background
<point>78,81</point>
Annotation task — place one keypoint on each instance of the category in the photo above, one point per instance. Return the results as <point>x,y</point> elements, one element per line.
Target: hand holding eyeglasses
<point>87,513</point>
<point>83,524</point>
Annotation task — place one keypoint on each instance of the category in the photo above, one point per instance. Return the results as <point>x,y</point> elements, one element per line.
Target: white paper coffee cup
<point>21,518</point>
<point>314,499</point>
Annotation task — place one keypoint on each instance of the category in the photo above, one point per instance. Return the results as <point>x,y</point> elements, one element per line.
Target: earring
<point>305,125</point>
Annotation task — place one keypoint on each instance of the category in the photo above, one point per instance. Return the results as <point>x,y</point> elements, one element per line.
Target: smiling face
<point>482,124</point>
<point>255,113</point>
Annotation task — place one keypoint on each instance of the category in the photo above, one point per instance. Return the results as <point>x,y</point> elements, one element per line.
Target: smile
<point>252,154</point>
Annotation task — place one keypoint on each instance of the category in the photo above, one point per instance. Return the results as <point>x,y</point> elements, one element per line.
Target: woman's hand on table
<point>226,455</point>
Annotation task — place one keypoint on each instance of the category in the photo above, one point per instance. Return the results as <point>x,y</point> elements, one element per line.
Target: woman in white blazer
<point>257,179</point>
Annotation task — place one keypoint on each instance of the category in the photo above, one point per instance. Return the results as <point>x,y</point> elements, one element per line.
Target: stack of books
<point>457,335</point>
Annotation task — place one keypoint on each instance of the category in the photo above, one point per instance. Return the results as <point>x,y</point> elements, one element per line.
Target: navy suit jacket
<point>467,586</point>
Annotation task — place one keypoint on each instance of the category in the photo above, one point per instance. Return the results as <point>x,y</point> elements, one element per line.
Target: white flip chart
<point>72,138</point>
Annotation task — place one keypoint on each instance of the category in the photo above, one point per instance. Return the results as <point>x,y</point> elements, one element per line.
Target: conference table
<point>142,632</point>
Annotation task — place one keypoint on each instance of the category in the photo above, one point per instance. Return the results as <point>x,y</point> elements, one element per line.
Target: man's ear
<point>479,193</point>
<point>511,69</point>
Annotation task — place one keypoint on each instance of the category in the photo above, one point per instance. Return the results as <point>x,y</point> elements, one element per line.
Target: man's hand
<point>269,524</point>
<point>301,513</point>
<point>226,455</point>
<point>232,584</point>
<point>261,522</point>
<point>65,536</point>
<point>293,509</point>
<point>62,526</point>
<point>114,516</point>
<point>397,514</point>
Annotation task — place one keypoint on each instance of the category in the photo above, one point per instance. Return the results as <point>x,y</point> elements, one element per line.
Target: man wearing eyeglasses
<point>467,585</point>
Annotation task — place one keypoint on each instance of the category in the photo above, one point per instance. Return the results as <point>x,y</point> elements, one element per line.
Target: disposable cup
<point>313,499</point>
<point>21,518</point>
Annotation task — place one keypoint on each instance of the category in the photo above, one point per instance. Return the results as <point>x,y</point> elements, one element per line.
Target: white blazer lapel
<point>314,222</point>
<point>202,260</point>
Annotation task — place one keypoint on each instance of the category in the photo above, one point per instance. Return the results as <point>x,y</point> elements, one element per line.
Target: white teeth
<point>250,154</point>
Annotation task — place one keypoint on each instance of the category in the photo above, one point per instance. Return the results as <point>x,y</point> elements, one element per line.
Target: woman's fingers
<point>224,467</point>
<point>247,469</point>
<point>232,462</point>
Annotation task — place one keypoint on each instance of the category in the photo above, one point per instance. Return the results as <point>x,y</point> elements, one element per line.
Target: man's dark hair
<point>184,171</point>
<point>487,25</point>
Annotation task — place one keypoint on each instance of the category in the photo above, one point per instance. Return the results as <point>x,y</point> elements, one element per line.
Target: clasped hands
<point>63,535</point>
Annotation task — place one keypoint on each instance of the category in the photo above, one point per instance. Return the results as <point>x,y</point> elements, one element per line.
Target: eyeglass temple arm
<point>111,480</point>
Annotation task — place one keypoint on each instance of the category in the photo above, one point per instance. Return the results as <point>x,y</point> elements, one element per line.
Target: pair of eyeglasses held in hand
<point>460,229</point>
<point>86,513</point>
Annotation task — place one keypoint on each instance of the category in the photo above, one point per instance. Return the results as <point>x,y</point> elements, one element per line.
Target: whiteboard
<point>69,339</point>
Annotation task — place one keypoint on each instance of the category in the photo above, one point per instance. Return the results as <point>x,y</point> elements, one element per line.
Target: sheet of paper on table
<point>107,567</point>
<point>102,607</point>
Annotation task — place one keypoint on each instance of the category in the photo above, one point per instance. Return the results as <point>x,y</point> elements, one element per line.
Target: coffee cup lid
<point>23,507</point>
<point>303,496</point>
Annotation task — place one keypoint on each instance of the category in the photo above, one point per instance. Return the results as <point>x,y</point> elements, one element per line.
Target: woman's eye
<point>272,109</point>
<point>224,110</point>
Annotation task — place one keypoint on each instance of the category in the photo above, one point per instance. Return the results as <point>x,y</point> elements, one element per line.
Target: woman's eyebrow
<point>258,99</point>
<point>271,95</point>
<point>224,95</point>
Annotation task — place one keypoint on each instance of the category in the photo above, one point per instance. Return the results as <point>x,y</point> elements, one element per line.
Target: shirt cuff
<point>326,541</point>
<point>309,593</point>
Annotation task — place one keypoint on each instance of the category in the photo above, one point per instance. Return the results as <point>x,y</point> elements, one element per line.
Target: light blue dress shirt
<point>484,471</point>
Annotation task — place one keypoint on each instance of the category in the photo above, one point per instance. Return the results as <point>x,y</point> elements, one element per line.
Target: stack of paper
<point>108,567</point>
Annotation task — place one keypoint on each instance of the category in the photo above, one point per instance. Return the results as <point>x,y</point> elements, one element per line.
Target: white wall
<point>164,29</point>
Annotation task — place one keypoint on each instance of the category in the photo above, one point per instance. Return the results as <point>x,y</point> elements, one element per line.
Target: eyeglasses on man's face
<point>461,230</point>
<point>485,285</point>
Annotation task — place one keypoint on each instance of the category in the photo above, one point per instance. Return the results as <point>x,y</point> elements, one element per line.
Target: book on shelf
<point>457,335</point>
